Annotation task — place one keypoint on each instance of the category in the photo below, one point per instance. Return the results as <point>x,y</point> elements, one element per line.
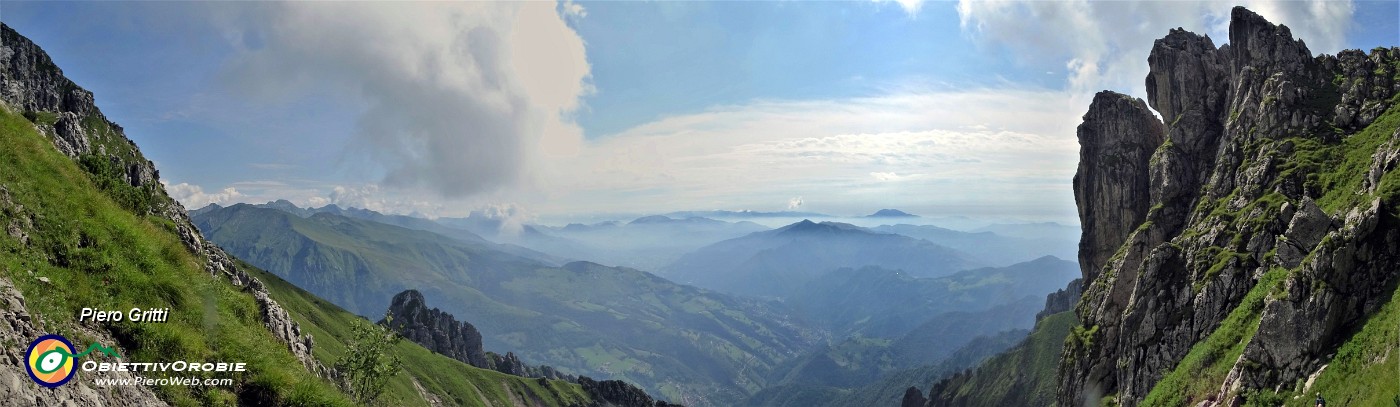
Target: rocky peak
<point>1257,42</point>
<point>436,330</point>
<point>1116,140</point>
<point>1182,219</point>
<point>1186,68</point>
<point>617,393</point>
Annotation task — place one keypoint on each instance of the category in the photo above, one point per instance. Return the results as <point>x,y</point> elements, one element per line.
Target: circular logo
<point>50,361</point>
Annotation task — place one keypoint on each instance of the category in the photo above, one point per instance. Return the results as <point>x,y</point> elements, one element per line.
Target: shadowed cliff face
<point>1267,174</point>
<point>1116,142</point>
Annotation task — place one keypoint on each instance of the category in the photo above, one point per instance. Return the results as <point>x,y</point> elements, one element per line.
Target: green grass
<point>96,253</point>
<point>1341,167</point>
<point>1206,364</point>
<point>452,381</point>
<point>41,118</point>
<point>1022,376</point>
<point>1366,368</point>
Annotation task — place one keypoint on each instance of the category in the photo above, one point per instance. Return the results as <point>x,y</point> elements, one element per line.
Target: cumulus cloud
<point>459,98</point>
<point>1104,45</point>
<point>510,217</point>
<point>194,197</point>
<point>794,203</point>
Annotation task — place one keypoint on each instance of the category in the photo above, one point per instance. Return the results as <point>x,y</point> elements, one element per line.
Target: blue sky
<point>567,109</point>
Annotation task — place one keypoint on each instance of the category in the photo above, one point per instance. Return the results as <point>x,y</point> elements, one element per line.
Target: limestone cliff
<point>1270,172</point>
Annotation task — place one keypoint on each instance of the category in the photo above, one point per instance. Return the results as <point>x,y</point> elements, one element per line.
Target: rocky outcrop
<point>1061,300</point>
<point>617,393</point>
<point>1116,140</point>
<point>32,84</point>
<point>16,389</point>
<point>436,330</point>
<point>1232,194</point>
<point>913,398</point>
<point>440,332</point>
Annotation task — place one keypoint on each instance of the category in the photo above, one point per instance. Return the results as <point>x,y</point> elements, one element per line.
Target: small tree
<point>368,365</point>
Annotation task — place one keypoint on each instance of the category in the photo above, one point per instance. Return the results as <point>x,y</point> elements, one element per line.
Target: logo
<point>50,359</point>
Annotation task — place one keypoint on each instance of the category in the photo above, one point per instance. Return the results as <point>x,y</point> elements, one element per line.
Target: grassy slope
<point>1338,169</point>
<point>97,254</point>
<point>1023,376</point>
<point>451,380</point>
<point>1204,368</point>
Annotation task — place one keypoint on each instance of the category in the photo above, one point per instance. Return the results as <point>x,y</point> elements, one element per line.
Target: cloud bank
<point>916,149</point>
<point>459,98</point>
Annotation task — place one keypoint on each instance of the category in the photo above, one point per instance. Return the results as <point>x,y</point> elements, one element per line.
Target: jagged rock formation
<point>617,393</point>
<point>1250,179</point>
<point>441,332</point>
<point>913,398</point>
<point>511,364</point>
<point>1117,138</point>
<point>32,84</point>
<point>436,330</point>
<point>1061,300</point>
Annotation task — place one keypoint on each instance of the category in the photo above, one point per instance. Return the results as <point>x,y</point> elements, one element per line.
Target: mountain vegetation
<point>684,344</point>
<point>875,302</point>
<point>88,224</point>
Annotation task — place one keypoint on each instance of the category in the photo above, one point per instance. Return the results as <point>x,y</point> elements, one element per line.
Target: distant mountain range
<point>883,303</point>
<point>746,214</point>
<point>583,318</point>
<point>1008,245</point>
<point>891,213</point>
<point>777,262</point>
<point>646,243</point>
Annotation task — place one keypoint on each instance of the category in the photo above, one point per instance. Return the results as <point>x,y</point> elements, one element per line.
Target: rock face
<point>1116,140</point>
<point>441,332</point>
<point>617,393</point>
<point>1061,300</point>
<point>913,398</point>
<point>32,84</point>
<point>1184,217</point>
<point>436,330</point>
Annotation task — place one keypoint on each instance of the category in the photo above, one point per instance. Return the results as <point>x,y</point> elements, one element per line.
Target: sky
<point>561,110</point>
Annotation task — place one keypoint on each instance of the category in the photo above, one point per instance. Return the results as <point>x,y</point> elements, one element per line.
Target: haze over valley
<point>707,204</point>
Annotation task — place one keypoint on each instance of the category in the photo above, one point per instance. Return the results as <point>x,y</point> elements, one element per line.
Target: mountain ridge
<point>1270,172</point>
<point>772,263</point>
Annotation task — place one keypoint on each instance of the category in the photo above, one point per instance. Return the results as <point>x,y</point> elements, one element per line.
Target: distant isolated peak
<point>891,213</point>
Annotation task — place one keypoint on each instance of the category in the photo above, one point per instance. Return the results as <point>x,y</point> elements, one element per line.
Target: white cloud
<point>512,217</point>
<point>794,203</point>
<point>194,197</point>
<point>1104,45</point>
<point>460,98</point>
<point>891,177</point>
<point>949,148</point>
<point>911,7</point>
